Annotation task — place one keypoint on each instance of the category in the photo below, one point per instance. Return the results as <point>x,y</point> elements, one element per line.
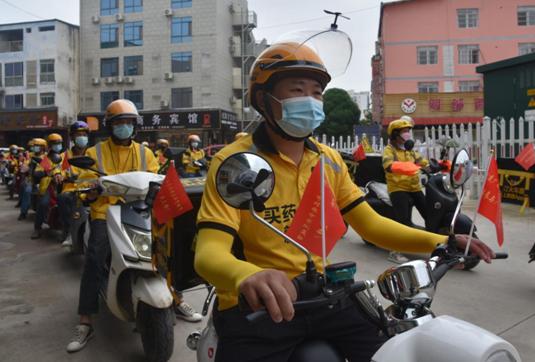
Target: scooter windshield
<point>334,47</point>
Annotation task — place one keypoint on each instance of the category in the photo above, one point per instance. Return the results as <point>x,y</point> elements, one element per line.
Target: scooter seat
<point>380,190</point>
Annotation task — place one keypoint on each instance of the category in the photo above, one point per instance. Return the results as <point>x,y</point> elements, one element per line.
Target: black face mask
<point>408,145</point>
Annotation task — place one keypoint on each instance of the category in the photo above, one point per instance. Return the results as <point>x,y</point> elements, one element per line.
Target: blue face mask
<point>36,149</point>
<point>300,115</point>
<point>81,141</point>
<point>123,131</point>
<point>57,148</point>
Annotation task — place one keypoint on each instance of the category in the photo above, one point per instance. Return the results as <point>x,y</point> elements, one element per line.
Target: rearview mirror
<point>461,169</point>
<point>82,162</point>
<point>245,177</point>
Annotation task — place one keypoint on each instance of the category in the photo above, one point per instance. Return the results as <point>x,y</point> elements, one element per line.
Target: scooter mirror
<point>462,168</point>
<point>245,177</point>
<point>82,162</point>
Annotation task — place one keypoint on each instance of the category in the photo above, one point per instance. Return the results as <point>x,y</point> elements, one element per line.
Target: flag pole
<point>322,193</point>
<point>478,205</point>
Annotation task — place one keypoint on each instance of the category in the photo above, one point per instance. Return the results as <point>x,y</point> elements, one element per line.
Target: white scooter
<point>414,333</point>
<point>134,292</point>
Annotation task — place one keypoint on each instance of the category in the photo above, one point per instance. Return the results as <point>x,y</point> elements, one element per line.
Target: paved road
<point>39,289</point>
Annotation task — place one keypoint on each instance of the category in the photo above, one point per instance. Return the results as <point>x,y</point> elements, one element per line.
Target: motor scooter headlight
<point>114,188</point>
<point>142,241</point>
<point>447,184</point>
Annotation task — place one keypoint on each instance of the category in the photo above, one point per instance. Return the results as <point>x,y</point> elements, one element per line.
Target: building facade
<point>434,46</point>
<point>39,77</point>
<point>362,99</point>
<point>169,57</point>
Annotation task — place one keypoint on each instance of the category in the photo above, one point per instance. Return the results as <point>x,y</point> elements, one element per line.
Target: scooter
<point>134,292</point>
<point>414,332</point>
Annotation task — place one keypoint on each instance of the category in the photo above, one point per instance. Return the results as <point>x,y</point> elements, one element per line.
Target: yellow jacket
<point>50,169</point>
<point>189,157</point>
<point>113,159</point>
<point>82,178</point>
<point>397,182</point>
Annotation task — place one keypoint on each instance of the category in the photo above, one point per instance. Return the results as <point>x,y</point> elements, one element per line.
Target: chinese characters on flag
<point>306,225</point>
<point>172,199</point>
<point>526,157</point>
<point>490,205</point>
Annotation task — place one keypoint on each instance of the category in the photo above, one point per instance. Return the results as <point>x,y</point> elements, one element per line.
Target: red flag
<point>46,164</point>
<point>306,225</point>
<point>172,199</point>
<point>359,154</point>
<point>490,205</point>
<point>65,163</point>
<point>526,157</point>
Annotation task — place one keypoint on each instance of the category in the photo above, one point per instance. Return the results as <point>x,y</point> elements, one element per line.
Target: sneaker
<point>186,312</point>
<point>67,243</point>
<point>397,257</point>
<point>36,234</point>
<point>83,333</point>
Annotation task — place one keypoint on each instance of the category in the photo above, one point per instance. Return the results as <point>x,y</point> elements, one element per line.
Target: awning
<point>436,121</point>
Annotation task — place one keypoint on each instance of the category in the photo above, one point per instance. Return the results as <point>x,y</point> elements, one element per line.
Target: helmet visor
<point>334,47</point>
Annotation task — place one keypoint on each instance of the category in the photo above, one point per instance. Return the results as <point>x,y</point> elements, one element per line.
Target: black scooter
<point>440,203</point>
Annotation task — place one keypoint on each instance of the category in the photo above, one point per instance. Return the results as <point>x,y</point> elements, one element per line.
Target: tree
<point>341,113</point>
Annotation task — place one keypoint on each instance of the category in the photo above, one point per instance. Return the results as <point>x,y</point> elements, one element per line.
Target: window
<point>109,7</point>
<point>427,55</point>
<point>427,87</point>
<point>467,18</point>
<point>181,62</point>
<point>526,48</point>
<point>106,98</point>
<point>48,99</point>
<point>13,101</point>
<point>47,71</point>
<point>133,34</point>
<point>526,15</point>
<point>136,96</point>
<point>133,6</point>
<point>109,36</point>
<point>14,74</point>
<point>178,4</point>
<point>133,65</point>
<point>109,67</point>
<point>469,86</point>
<point>47,28</point>
<point>182,97</point>
<point>181,30</point>
<point>468,54</point>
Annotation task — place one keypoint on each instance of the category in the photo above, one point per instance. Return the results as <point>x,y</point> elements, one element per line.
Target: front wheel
<point>157,333</point>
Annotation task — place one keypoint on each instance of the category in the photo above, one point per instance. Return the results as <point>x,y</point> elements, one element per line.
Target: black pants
<point>403,201</point>
<point>66,203</point>
<point>345,328</point>
<point>96,257</point>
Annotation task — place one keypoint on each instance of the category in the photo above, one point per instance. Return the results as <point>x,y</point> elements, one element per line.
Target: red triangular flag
<point>490,205</point>
<point>359,154</point>
<point>172,199</point>
<point>65,163</point>
<point>526,157</point>
<point>46,164</point>
<point>306,225</point>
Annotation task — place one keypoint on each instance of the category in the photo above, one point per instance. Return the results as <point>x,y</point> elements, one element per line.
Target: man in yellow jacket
<point>193,158</point>
<point>161,146</point>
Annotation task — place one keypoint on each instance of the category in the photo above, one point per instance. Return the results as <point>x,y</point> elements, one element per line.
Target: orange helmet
<point>54,138</point>
<point>239,135</point>
<point>162,142</point>
<point>39,142</point>
<point>120,109</point>
<point>288,58</point>
<point>194,138</point>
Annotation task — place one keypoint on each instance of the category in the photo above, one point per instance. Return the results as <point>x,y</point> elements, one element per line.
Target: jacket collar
<point>262,141</point>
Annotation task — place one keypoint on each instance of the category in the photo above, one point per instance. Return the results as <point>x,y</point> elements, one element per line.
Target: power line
<point>21,9</point>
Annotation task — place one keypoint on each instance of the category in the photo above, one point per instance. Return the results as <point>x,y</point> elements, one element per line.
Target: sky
<point>275,18</point>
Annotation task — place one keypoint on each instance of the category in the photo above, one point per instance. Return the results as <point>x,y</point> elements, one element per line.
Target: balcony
<point>247,20</point>
<point>11,41</point>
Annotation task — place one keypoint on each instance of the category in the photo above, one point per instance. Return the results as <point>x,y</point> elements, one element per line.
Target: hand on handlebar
<point>273,290</point>
<point>477,247</point>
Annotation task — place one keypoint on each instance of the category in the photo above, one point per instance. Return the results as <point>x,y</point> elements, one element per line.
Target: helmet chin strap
<point>272,124</point>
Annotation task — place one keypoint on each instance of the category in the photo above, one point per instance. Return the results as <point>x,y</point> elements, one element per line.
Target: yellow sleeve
<point>389,234</point>
<point>215,262</point>
<point>388,157</point>
<point>420,160</point>
<point>152,161</point>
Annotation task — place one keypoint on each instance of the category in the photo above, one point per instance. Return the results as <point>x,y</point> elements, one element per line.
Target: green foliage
<point>341,113</point>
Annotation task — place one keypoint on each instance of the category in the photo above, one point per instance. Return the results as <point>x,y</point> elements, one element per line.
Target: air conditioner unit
<point>168,76</point>
<point>120,80</point>
<point>109,80</point>
<point>95,81</point>
<point>119,17</point>
<point>95,19</point>
<point>168,12</point>
<point>128,80</point>
<point>164,103</point>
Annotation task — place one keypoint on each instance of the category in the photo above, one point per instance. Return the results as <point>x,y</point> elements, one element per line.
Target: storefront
<point>214,126</point>
<point>19,127</point>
